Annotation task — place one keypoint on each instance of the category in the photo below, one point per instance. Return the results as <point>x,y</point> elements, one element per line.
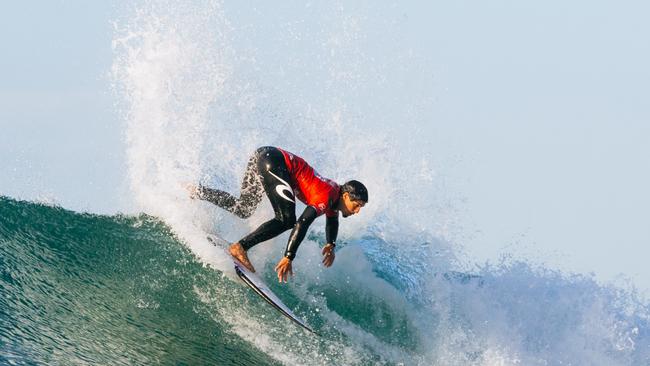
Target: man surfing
<point>285,176</point>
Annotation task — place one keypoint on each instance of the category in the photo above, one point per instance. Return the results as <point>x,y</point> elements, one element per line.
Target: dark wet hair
<point>356,190</point>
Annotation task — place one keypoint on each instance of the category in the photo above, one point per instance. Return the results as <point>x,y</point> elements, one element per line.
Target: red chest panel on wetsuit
<point>309,187</point>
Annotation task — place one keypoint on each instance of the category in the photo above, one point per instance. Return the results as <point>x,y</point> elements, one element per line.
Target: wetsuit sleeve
<point>299,231</point>
<point>331,229</point>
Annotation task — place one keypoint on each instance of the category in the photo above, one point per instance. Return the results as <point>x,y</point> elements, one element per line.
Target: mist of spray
<point>201,91</point>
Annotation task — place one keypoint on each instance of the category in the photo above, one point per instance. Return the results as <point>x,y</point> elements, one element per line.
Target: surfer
<point>284,176</point>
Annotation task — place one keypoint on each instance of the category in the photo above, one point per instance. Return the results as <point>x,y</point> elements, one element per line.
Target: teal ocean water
<point>88,289</point>
<point>78,288</point>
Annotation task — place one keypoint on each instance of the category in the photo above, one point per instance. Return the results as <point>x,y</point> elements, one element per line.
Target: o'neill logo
<point>283,189</point>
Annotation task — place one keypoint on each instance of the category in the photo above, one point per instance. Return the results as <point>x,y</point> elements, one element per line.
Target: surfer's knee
<point>246,207</point>
<point>244,213</point>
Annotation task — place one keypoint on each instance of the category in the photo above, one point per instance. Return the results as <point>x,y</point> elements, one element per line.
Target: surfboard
<point>259,287</point>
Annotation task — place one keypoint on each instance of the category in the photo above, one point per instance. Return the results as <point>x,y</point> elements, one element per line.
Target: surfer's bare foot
<point>193,190</point>
<point>237,251</point>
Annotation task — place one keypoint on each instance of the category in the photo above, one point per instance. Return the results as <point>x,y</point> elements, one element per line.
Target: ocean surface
<point>199,86</point>
<point>78,288</point>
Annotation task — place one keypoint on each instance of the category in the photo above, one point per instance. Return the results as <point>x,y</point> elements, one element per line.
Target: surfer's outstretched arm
<point>297,235</point>
<point>299,231</point>
<point>331,231</point>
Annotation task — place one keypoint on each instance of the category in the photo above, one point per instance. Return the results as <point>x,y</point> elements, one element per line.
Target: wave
<point>199,89</point>
<point>82,288</point>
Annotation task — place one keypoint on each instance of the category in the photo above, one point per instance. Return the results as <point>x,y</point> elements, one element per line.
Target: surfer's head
<point>354,196</point>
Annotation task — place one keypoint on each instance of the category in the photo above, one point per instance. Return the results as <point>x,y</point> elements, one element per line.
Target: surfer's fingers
<point>279,265</point>
<point>279,270</point>
<point>279,273</point>
<point>328,258</point>
<point>282,274</point>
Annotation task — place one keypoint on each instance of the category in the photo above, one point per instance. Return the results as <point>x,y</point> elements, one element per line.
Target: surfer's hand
<point>328,255</point>
<point>284,269</point>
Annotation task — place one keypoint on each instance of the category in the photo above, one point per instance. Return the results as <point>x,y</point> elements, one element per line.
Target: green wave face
<point>87,289</point>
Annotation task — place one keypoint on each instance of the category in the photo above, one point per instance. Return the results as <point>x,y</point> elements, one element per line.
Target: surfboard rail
<point>261,289</point>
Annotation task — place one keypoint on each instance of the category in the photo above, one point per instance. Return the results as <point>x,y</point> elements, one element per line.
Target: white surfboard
<point>260,288</point>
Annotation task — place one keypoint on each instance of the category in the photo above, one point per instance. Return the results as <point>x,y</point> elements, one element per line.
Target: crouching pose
<point>284,176</point>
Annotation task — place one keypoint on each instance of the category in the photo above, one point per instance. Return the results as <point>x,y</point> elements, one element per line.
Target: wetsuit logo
<point>283,188</point>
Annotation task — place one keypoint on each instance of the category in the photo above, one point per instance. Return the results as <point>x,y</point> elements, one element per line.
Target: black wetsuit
<point>268,171</point>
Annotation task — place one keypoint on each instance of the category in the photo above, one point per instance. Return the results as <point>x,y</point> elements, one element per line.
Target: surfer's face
<point>350,206</point>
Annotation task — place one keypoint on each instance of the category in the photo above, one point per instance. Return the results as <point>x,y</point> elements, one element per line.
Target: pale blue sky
<point>61,138</point>
<point>547,103</point>
<point>537,111</point>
